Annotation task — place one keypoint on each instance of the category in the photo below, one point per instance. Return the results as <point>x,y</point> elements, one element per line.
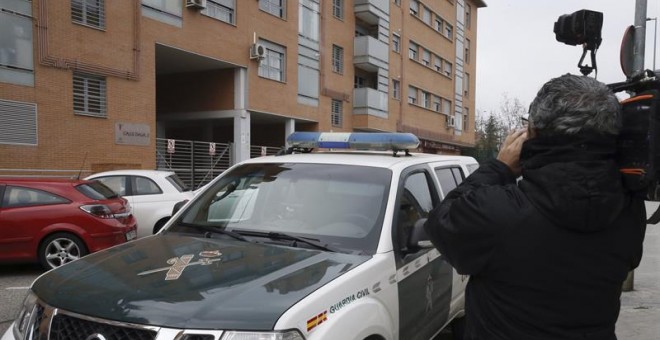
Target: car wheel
<point>59,249</point>
<point>159,225</point>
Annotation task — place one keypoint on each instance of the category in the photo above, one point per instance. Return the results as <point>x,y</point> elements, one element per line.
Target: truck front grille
<point>65,327</point>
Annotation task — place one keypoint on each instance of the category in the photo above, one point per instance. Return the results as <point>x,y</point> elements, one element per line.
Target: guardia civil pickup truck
<point>304,245</point>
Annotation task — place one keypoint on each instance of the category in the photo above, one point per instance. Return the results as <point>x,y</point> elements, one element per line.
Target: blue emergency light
<point>353,140</point>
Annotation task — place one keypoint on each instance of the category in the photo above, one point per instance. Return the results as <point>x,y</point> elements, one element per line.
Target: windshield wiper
<point>213,229</point>
<point>282,236</point>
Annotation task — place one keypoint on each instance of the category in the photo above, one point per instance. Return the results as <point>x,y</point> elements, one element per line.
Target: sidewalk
<point>640,308</point>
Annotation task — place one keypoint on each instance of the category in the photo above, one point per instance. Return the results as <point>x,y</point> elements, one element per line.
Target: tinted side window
<point>415,202</point>
<point>458,175</point>
<point>96,190</point>
<point>24,197</point>
<point>447,180</point>
<point>116,183</point>
<point>145,186</point>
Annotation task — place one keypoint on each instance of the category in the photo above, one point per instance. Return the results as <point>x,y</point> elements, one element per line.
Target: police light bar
<point>353,140</point>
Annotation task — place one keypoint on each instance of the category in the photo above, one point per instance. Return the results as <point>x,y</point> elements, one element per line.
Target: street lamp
<point>655,37</point>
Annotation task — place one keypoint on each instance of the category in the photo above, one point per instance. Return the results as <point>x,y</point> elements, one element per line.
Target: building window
<point>438,24</point>
<point>88,12</point>
<point>18,123</point>
<point>426,15</point>
<point>466,85</point>
<point>89,95</point>
<point>466,118</point>
<point>437,63</point>
<point>448,31</point>
<point>414,7</point>
<point>437,104</point>
<point>397,2</point>
<point>223,10</point>
<point>338,9</point>
<point>447,68</point>
<point>337,113</point>
<point>467,51</point>
<point>337,59</point>
<point>359,82</point>
<point>412,50</point>
<point>172,7</point>
<point>396,43</point>
<point>425,99</point>
<point>396,89</point>
<point>16,58</point>
<point>426,57</point>
<point>446,106</point>
<point>274,7</point>
<point>468,16</point>
<point>308,25</point>
<point>272,66</point>
<point>412,95</point>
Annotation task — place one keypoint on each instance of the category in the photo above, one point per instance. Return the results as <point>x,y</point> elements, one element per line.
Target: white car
<point>303,246</point>
<point>151,193</point>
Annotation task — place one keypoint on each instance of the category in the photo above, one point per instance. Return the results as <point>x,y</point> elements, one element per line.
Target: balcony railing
<point>371,11</point>
<point>370,54</point>
<point>369,101</point>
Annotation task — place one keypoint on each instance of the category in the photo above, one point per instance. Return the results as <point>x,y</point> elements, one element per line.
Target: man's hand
<point>510,151</point>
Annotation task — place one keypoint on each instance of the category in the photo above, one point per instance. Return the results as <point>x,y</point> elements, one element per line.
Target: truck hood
<point>192,282</point>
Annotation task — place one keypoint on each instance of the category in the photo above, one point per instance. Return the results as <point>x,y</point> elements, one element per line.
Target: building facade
<point>92,85</point>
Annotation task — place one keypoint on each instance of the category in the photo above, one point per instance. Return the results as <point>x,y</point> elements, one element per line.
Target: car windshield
<point>340,205</point>
<point>96,190</point>
<point>177,183</point>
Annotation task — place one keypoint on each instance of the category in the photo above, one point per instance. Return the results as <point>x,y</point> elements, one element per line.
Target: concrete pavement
<point>639,318</point>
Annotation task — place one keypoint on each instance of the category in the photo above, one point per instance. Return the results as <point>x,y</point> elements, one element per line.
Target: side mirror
<point>418,238</point>
<point>177,206</point>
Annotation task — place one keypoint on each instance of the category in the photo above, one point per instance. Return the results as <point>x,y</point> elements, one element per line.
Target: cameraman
<point>547,255</point>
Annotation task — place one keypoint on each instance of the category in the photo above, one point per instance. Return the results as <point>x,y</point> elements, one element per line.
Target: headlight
<point>25,316</point>
<point>286,335</point>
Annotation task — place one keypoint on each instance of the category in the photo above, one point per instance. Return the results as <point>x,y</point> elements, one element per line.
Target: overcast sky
<point>517,51</point>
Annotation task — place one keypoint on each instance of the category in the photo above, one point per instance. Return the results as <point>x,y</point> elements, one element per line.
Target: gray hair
<point>572,104</point>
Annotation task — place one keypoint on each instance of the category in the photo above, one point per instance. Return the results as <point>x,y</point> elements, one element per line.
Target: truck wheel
<point>59,249</point>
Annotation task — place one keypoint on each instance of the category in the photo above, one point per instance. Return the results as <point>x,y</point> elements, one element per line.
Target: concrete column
<point>241,117</point>
<point>289,128</point>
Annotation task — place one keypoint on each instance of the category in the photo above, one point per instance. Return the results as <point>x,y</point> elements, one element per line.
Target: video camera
<point>638,144</point>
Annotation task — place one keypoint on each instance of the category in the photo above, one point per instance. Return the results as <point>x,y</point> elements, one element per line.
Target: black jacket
<point>547,255</point>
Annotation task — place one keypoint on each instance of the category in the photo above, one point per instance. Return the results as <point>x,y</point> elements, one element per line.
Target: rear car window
<point>96,190</point>
<point>177,183</point>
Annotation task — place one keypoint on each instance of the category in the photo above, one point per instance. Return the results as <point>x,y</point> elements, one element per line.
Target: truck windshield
<point>341,205</point>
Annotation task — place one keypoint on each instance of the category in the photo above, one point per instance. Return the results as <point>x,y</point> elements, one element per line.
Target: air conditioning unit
<point>257,51</point>
<point>451,121</point>
<point>196,4</point>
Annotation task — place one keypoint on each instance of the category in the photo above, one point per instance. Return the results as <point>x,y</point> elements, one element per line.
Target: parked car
<point>152,194</point>
<point>313,246</point>
<point>56,221</point>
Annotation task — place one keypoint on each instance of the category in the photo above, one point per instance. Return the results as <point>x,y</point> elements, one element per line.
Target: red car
<point>55,221</point>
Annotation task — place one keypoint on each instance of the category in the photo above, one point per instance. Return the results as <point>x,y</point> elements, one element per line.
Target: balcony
<point>370,102</point>
<point>370,54</point>
<point>371,11</point>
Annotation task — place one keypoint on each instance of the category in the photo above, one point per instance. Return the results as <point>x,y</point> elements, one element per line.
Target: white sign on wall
<point>132,134</point>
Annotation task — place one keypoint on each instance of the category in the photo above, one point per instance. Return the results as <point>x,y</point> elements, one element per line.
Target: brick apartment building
<point>95,85</point>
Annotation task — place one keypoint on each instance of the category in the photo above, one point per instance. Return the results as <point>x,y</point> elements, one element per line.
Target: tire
<point>159,225</point>
<point>458,328</point>
<point>59,249</point>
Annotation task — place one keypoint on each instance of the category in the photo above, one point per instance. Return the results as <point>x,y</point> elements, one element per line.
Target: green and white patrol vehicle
<point>305,245</point>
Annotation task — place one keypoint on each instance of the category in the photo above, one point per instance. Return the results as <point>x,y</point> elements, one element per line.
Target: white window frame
<point>396,89</point>
<point>413,51</point>
<point>414,7</point>
<point>275,54</point>
<point>426,57</point>
<point>412,95</point>
<point>396,43</point>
